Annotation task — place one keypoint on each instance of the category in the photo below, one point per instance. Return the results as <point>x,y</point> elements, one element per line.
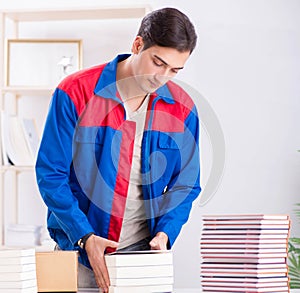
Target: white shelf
<point>109,12</point>
<point>6,168</point>
<point>30,91</point>
<point>9,94</point>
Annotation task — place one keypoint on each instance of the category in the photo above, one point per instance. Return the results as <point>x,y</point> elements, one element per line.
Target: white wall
<point>247,66</point>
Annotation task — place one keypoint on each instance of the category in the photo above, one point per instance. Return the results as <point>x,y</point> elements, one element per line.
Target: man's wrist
<point>82,241</point>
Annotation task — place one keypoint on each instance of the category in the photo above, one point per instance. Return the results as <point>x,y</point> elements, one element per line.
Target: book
<point>4,139</point>
<point>247,280</point>
<point>17,140</point>
<point>241,259</point>
<point>142,281</point>
<point>233,251</point>
<point>6,252</point>
<point>257,222</point>
<point>20,290</point>
<point>233,241</point>
<point>246,217</point>
<point>244,272</point>
<point>244,253</point>
<point>18,284</point>
<point>142,289</point>
<point>245,227</point>
<point>5,261</point>
<point>140,271</point>
<point>245,289</point>
<point>137,258</point>
<point>240,284</point>
<point>262,246</point>
<point>246,232</point>
<point>244,265</point>
<point>31,135</point>
<point>13,277</point>
<point>17,268</point>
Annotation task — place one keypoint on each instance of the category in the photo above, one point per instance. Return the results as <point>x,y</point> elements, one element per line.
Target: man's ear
<point>137,45</point>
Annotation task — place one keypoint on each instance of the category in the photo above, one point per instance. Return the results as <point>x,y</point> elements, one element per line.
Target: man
<point>118,165</point>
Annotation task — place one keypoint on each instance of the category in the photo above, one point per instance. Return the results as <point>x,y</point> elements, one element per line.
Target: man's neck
<point>130,92</point>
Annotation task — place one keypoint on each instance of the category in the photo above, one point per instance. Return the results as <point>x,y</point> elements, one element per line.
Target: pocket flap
<point>170,140</point>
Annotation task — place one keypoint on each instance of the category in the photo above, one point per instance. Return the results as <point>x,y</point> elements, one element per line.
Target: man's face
<point>153,67</point>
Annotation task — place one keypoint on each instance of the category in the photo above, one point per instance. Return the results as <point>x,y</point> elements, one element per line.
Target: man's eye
<point>158,63</point>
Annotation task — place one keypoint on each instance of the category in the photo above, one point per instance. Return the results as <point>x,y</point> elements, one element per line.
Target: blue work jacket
<point>85,156</point>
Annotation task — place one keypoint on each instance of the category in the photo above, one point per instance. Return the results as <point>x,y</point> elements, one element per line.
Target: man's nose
<point>163,75</point>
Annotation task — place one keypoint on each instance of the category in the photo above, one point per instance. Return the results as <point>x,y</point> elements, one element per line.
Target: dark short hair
<point>168,27</point>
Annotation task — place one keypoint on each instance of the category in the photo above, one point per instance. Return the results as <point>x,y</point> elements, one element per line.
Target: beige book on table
<point>18,284</point>
<point>141,289</point>
<point>17,268</point>
<point>137,258</point>
<point>142,281</point>
<point>140,271</point>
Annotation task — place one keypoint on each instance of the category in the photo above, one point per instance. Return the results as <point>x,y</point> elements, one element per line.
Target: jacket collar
<point>106,85</point>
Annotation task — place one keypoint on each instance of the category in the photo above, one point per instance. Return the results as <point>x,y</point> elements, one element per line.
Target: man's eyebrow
<point>164,62</point>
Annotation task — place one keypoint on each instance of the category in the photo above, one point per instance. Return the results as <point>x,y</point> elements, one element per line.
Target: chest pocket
<point>88,146</point>
<point>170,140</point>
<point>89,135</point>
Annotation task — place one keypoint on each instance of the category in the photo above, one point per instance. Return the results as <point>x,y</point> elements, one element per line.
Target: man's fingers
<point>157,243</point>
<point>95,247</point>
<point>153,243</point>
<point>101,275</point>
<point>110,243</point>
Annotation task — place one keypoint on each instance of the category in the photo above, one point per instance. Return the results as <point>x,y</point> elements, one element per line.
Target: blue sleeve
<point>185,185</point>
<point>53,168</point>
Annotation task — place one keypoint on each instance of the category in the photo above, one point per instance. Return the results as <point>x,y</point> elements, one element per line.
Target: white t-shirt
<point>134,227</point>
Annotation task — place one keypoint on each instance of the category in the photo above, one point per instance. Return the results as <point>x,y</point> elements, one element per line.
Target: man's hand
<point>159,242</point>
<point>95,247</point>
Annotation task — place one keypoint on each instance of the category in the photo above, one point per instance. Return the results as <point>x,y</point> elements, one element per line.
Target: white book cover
<point>247,271</point>
<point>140,271</point>
<point>16,252</point>
<point>243,259</point>
<point>215,235</point>
<point>247,227</point>
<point>18,268</point>
<point>244,273</point>
<point>233,251</point>
<point>14,141</point>
<point>15,277</point>
<point>272,233</point>
<point>245,255</point>
<point>243,284</point>
<point>265,280</point>
<point>142,281</point>
<point>18,284</point>
<point>20,290</point>
<point>251,241</point>
<point>4,138</point>
<point>141,289</point>
<point>246,217</point>
<point>243,266</point>
<point>245,289</point>
<point>138,258</point>
<point>220,245</point>
<point>31,135</point>
<point>4,261</point>
<point>246,222</point>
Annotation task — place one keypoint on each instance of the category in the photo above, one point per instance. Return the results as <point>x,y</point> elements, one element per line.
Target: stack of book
<point>140,271</point>
<point>17,270</point>
<point>244,253</point>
